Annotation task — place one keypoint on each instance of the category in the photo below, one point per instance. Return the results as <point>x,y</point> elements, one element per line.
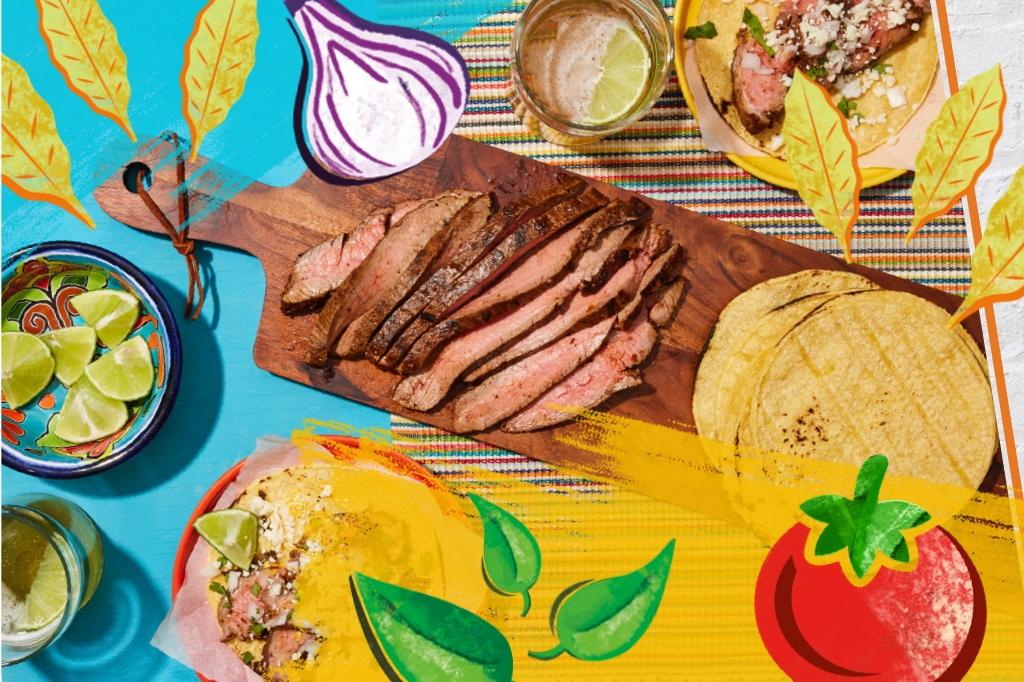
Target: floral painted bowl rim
<point>158,305</point>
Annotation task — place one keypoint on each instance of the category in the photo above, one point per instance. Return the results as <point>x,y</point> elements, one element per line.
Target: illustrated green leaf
<point>511,553</point>
<point>419,637</point>
<point>997,266</point>
<point>219,55</point>
<point>863,526</point>
<point>605,618</point>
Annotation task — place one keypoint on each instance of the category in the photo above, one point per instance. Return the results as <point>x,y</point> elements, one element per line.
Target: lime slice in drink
<point>48,596</point>
<point>623,79</point>
<point>72,348</point>
<point>112,313</point>
<point>27,367</point>
<point>88,415</point>
<point>232,532</point>
<point>125,373</point>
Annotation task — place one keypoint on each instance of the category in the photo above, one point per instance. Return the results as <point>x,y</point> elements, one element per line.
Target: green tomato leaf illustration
<point>418,637</point>
<point>511,554</point>
<point>605,618</point>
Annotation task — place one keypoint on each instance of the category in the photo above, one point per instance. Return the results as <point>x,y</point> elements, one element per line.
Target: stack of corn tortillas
<point>824,366</point>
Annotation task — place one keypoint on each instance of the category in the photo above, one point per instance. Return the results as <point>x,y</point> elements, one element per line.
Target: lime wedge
<point>88,415</point>
<point>72,348</point>
<point>623,80</point>
<point>112,313</point>
<point>125,373</point>
<point>48,595</point>
<point>232,532</point>
<point>27,367</point>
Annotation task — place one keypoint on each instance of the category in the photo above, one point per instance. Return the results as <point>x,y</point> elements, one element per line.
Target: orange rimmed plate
<point>767,168</point>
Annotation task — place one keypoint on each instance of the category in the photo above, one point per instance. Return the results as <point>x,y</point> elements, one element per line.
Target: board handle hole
<point>131,176</point>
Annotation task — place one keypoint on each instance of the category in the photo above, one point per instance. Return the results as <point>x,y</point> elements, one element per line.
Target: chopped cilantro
<point>220,589</point>
<point>880,68</point>
<point>757,30</point>
<point>256,589</point>
<point>256,628</point>
<point>222,560</point>
<point>846,108</point>
<point>705,30</point>
<point>247,657</point>
<point>817,72</point>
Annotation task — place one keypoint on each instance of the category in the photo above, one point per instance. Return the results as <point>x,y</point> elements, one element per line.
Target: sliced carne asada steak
<point>519,384</point>
<point>873,28</point>
<point>323,268</point>
<point>254,596</point>
<point>353,342</point>
<point>507,218</point>
<point>759,82</point>
<point>514,247</point>
<point>529,274</point>
<point>287,643</point>
<point>612,369</point>
<point>664,270</point>
<point>425,389</point>
<point>381,269</point>
<point>623,286</point>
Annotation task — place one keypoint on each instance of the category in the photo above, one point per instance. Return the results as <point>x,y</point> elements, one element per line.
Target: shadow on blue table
<point>191,421</point>
<point>118,621</point>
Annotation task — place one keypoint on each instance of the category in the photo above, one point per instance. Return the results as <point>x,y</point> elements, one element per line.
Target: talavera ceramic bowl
<point>38,282</point>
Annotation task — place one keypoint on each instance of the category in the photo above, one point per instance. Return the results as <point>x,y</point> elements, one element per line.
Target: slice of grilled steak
<point>323,268</point>
<point>426,388</point>
<point>653,242</point>
<point>354,340</point>
<point>611,370</point>
<point>506,219</point>
<point>382,268</point>
<point>760,82</point>
<point>287,643</point>
<point>664,270</point>
<point>515,246</point>
<point>873,29</point>
<point>522,382</point>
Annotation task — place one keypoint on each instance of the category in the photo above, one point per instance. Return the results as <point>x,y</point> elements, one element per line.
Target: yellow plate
<point>769,169</point>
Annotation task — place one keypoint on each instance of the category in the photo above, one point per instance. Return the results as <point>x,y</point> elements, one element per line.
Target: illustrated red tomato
<point>923,624</point>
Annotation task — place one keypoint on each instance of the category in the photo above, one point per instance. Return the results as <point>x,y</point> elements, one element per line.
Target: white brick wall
<point>985,32</point>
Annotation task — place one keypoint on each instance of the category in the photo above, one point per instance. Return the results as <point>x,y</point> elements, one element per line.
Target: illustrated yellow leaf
<point>997,267</point>
<point>957,147</point>
<point>36,164</point>
<point>83,46</point>
<point>823,158</point>
<point>219,55</point>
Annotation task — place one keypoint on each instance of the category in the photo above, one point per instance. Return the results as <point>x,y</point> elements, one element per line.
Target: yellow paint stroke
<point>958,146</point>
<point>83,46</point>
<point>997,267</point>
<point>705,628</point>
<point>219,55</point>
<point>822,156</point>
<point>36,164</point>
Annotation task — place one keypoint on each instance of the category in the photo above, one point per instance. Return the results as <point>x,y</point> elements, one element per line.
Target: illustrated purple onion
<point>374,99</point>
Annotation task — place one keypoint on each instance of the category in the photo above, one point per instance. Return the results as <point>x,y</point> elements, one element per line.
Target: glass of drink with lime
<point>583,69</point>
<point>52,562</point>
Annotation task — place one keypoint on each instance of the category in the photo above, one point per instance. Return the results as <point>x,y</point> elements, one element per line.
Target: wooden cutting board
<point>277,224</point>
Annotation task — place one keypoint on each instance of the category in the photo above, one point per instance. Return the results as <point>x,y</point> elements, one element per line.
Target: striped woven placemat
<point>663,157</point>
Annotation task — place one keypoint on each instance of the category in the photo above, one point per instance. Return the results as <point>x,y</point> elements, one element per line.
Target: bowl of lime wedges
<point>91,360</point>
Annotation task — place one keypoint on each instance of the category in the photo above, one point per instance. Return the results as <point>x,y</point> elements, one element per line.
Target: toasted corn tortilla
<point>877,372</point>
<point>362,517</point>
<point>914,63</point>
<point>750,325</point>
